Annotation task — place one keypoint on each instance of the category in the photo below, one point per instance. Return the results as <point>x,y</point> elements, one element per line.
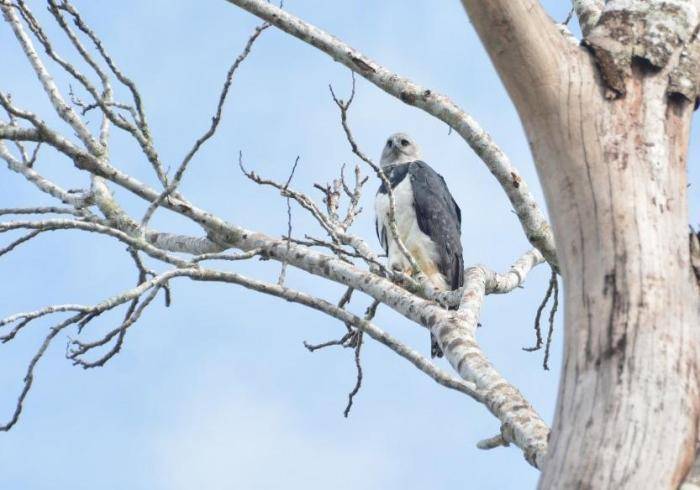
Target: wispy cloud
<point>240,441</point>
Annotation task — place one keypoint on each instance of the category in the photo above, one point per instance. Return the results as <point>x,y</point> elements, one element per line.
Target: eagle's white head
<point>399,148</point>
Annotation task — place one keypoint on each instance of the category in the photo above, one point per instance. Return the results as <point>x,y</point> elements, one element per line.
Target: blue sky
<point>217,391</point>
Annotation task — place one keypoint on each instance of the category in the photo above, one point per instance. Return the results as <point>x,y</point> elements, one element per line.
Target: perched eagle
<point>427,218</point>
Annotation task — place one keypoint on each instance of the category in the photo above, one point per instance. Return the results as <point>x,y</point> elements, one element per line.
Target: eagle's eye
<point>404,142</point>
<point>388,143</point>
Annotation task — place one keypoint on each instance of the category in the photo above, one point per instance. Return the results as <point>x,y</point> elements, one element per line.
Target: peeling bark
<point>685,78</point>
<point>649,30</point>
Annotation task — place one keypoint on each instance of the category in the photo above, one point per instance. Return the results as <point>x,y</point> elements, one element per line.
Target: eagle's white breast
<point>418,243</point>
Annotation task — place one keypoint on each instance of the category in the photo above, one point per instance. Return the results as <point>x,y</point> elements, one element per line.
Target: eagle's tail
<point>439,282</point>
<point>435,350</point>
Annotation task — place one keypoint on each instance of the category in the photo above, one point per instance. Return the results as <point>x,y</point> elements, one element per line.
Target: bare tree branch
<point>19,241</point>
<point>349,260</point>
<point>29,377</point>
<point>538,315</point>
<point>143,132</point>
<point>492,442</point>
<point>455,332</point>
<point>63,110</point>
<point>588,13</point>
<point>216,119</point>
<point>42,183</point>
<point>42,210</point>
<point>63,224</point>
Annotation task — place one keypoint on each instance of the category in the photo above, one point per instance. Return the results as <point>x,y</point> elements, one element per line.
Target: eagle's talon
<point>443,300</point>
<point>397,267</point>
<point>353,340</point>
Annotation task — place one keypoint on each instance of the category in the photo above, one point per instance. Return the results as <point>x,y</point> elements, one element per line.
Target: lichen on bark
<point>651,31</point>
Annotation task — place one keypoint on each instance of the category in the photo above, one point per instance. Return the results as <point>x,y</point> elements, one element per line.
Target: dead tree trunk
<point>615,172</point>
<point>612,162</point>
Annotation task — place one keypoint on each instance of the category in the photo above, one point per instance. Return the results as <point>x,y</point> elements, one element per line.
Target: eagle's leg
<point>430,272</point>
<point>439,283</point>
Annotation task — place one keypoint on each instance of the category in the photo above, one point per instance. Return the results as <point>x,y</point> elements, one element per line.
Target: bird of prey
<point>427,218</point>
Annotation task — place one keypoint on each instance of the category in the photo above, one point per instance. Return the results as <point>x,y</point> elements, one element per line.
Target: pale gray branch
<point>504,283</point>
<point>91,226</point>
<point>45,185</point>
<point>42,210</point>
<point>492,442</point>
<point>63,110</point>
<point>588,13</point>
<point>456,335</point>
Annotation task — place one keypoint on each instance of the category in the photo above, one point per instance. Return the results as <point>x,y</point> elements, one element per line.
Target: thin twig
<point>540,309</point>
<point>358,382</point>
<point>29,376</point>
<point>132,316</point>
<point>283,271</point>
<point>369,315</point>
<point>331,343</point>
<point>343,341</point>
<point>302,199</point>
<point>19,241</point>
<point>568,17</point>
<point>216,119</point>
<point>551,322</point>
<point>43,210</point>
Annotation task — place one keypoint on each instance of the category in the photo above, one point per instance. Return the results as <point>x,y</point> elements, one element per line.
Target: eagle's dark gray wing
<point>440,218</point>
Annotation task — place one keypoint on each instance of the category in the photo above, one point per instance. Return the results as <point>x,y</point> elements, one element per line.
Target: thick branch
<point>456,335</point>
